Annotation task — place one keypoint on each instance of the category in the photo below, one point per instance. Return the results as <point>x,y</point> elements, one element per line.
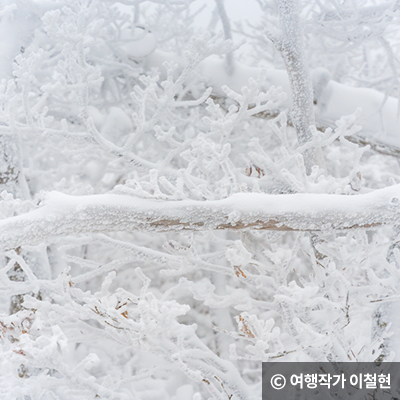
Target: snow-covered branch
<point>62,215</point>
<point>379,120</point>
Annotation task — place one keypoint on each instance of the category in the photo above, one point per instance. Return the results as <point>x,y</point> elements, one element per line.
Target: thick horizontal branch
<point>60,215</point>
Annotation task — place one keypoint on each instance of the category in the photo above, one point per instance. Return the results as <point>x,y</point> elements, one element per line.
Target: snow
<point>18,20</point>
<point>137,42</point>
<point>113,125</point>
<point>15,27</point>
<point>379,118</point>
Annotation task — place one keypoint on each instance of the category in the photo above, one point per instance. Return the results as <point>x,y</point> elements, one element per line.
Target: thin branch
<point>227,33</point>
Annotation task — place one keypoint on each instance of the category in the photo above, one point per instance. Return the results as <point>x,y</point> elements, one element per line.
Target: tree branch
<point>379,112</point>
<point>61,215</point>
<point>227,33</point>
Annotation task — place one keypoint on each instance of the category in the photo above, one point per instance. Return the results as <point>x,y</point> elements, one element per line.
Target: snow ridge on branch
<point>62,215</point>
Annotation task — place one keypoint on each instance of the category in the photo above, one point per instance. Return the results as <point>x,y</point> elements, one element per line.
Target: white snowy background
<point>164,227</point>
